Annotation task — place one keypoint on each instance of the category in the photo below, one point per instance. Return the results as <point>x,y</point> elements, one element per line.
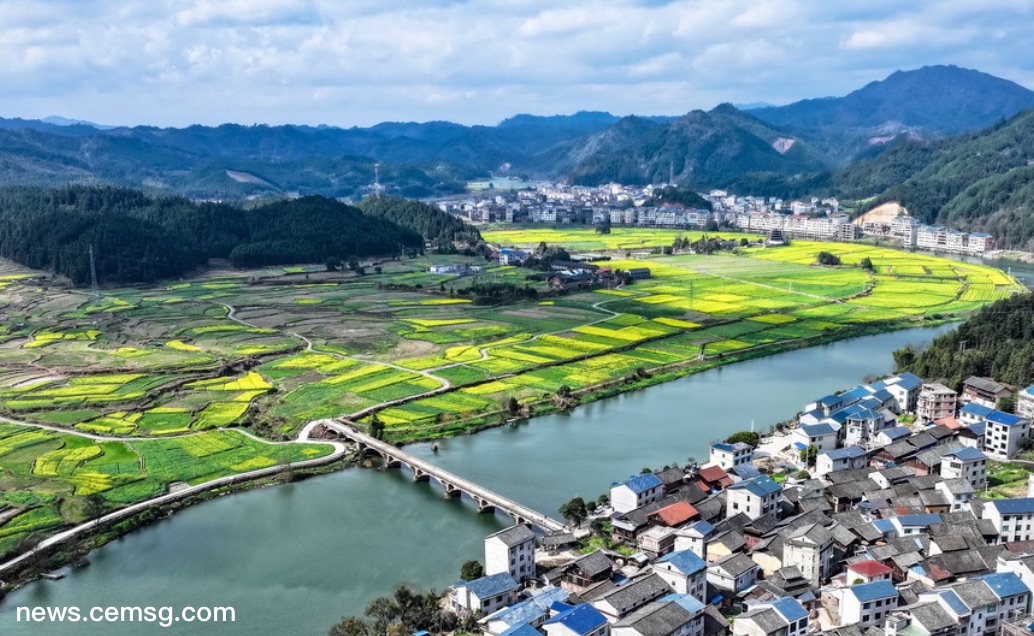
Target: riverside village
<point>874,512</point>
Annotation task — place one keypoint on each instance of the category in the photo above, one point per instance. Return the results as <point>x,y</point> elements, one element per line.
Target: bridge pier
<point>451,492</point>
<point>420,475</point>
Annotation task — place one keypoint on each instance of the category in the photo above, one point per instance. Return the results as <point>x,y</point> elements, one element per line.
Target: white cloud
<point>176,62</point>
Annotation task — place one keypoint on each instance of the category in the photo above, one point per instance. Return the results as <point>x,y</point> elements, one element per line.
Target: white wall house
<point>779,617</point>
<point>966,463</point>
<point>868,604</point>
<point>685,572</point>
<point>511,551</point>
<point>757,497</point>
<point>485,595</point>
<point>1013,518</point>
<point>636,492</point>
<point>1004,433</point>
<point>729,456</point>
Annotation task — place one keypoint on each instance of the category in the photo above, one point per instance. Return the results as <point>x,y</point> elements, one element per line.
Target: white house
<point>823,436</point>
<point>981,604</point>
<point>867,571</point>
<point>1004,433</point>
<point>629,597</point>
<point>1013,518</point>
<point>966,463</point>
<point>867,604</point>
<point>757,497</point>
<point>485,595</point>
<point>733,574</point>
<point>685,572</point>
<point>636,492</point>
<point>1025,403</point>
<point>810,548</point>
<point>511,551</point>
<point>695,538</point>
<point>729,456</point>
<point>829,461</point>
<point>779,617</point>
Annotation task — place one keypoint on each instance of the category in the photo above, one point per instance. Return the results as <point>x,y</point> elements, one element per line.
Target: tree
<point>513,406</point>
<point>377,269</point>
<point>746,437</point>
<point>376,427</point>
<point>827,258</point>
<point>803,474</point>
<point>1007,404</point>
<point>564,391</point>
<point>711,226</point>
<point>809,454</point>
<point>350,626</point>
<point>866,264</point>
<point>904,358</point>
<point>472,570</point>
<point>574,511</point>
<point>333,264</point>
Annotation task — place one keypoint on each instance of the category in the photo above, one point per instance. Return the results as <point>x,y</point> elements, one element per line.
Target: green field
<point>170,367</point>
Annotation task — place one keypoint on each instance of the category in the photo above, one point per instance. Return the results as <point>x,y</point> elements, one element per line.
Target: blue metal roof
<point>855,394</point>
<point>685,561</point>
<point>883,395</point>
<point>817,430</point>
<point>907,381</point>
<point>967,454</point>
<point>523,629</point>
<point>520,613</point>
<point>883,525</point>
<point>687,602</point>
<point>581,619</point>
<point>830,400</point>
<point>789,608</point>
<point>723,447</point>
<point>977,410</point>
<point>1004,584</point>
<point>703,527</point>
<point>1005,419</point>
<point>844,453</point>
<point>919,520</point>
<point>745,471</point>
<point>872,591</point>
<point>489,586</point>
<point>642,483</point>
<point>952,600</point>
<point>759,486</point>
<point>1017,506</point>
<point>800,446</point>
<point>897,432</point>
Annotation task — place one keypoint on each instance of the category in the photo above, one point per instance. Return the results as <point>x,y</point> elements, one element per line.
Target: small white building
<point>636,492</point>
<point>1004,433</point>
<point>966,463</point>
<point>757,497</point>
<point>733,574</point>
<point>511,551</point>
<point>484,595</point>
<point>867,604</point>
<point>779,617</point>
<point>810,549</point>
<point>685,572</point>
<point>729,456</point>
<point>829,461</point>
<point>1013,518</point>
<point>579,620</point>
<point>695,538</point>
<point>1025,403</point>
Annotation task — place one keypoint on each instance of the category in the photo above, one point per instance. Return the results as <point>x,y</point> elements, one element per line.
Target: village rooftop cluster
<point>869,516</point>
<point>622,205</point>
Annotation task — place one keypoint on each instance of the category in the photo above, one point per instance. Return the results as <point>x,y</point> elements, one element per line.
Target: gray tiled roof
<point>656,619</point>
<point>515,535</point>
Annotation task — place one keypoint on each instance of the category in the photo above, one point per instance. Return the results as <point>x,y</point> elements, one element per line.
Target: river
<point>293,559</point>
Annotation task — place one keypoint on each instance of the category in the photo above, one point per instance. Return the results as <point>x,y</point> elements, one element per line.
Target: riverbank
<point>551,404</point>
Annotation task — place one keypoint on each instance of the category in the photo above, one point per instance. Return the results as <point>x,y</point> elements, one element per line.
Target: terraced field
<point>168,370</point>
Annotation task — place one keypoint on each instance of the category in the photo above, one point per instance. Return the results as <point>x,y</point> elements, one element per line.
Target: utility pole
<point>377,180</point>
<point>94,287</point>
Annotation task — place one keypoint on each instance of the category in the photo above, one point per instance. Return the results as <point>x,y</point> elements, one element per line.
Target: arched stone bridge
<point>453,485</point>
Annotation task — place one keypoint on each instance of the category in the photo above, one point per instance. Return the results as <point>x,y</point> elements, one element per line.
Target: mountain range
<point>887,139</point>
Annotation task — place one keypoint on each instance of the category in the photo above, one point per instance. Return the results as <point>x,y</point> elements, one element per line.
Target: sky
<point>359,62</point>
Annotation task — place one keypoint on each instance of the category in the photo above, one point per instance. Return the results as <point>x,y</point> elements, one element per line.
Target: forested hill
<point>979,181</point>
<point>431,222</point>
<point>997,342</point>
<point>136,238</point>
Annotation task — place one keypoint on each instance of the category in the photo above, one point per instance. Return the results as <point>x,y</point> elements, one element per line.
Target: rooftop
<point>643,483</point>
<point>514,535</point>
<point>869,568</point>
<point>581,619</point>
<point>489,586</point>
<point>759,486</point>
<point>684,561</point>
<point>967,454</point>
<point>871,591</point>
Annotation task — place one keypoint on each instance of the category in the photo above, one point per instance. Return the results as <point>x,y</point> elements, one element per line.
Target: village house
<point>810,549</point>
<point>1013,519</point>
<point>636,492</point>
<point>983,391</point>
<point>484,595</point>
<point>677,615</point>
<point>867,571</point>
<point>511,551</point>
<point>532,612</point>
<point>620,602</point>
<point>733,574</point>
<point>755,498</point>
<point>779,617</point>
<point>695,538</point>
<point>867,604</point>
<point>828,461</point>
<point>966,463</point>
<point>729,456</point>
<point>578,620</point>
<point>685,572</point>
<point>935,401</point>
<point>1004,433</point>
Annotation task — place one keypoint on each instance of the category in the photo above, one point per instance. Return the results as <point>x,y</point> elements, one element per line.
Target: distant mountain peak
<point>56,120</point>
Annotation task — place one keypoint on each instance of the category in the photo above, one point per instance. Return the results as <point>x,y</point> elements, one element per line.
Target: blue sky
<point>358,62</point>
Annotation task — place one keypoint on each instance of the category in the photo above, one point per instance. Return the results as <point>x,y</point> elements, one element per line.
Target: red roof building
<point>674,515</point>
<point>868,571</point>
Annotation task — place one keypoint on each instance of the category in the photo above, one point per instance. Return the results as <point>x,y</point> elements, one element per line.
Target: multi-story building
<point>729,456</point>
<point>1004,433</point>
<point>484,595</point>
<point>868,604</point>
<point>1013,518</point>
<point>511,551</point>
<point>984,391</point>
<point>757,497</point>
<point>1025,403</point>
<point>779,617</point>
<point>810,549</point>
<point>636,492</point>
<point>685,572</point>
<point>935,401</point>
<point>966,463</point>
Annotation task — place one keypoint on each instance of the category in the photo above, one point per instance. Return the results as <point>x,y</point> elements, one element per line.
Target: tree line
<point>997,342</point>
<point>137,238</point>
